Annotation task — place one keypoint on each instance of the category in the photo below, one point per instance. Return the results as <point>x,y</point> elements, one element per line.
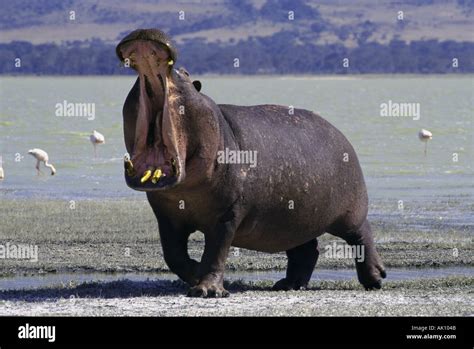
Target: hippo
<point>265,177</point>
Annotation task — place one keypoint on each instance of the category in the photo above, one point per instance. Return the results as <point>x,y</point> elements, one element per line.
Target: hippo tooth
<point>146,176</point>
<point>174,167</point>
<point>129,165</point>
<point>130,169</point>
<point>156,176</point>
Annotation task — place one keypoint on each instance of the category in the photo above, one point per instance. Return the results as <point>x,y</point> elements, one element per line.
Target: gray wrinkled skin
<point>300,188</point>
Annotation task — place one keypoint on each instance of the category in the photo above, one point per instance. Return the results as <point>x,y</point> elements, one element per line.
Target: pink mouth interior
<point>153,146</point>
<point>153,159</point>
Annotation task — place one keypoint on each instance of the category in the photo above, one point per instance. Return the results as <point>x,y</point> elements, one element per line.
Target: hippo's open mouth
<point>154,177</point>
<point>154,162</point>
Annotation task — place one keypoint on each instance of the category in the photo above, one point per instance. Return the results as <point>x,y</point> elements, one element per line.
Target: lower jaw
<point>163,174</point>
<point>162,184</point>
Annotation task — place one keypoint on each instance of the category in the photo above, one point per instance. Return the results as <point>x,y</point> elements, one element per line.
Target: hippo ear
<point>197,85</point>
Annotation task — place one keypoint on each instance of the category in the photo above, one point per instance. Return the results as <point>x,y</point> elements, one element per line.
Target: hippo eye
<point>153,53</point>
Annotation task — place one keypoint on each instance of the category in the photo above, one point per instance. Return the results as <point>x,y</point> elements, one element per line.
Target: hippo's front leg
<point>175,252</point>
<point>217,244</point>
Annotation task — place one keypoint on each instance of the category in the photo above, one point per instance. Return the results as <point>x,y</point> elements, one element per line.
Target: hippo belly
<point>306,178</point>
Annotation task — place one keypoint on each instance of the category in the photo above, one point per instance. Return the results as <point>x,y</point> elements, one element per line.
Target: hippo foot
<point>301,262</point>
<point>370,276</point>
<point>191,280</point>
<point>288,285</point>
<point>208,290</point>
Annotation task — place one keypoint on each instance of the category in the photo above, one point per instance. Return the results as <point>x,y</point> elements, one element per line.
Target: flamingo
<point>42,156</point>
<point>2,175</point>
<point>425,136</point>
<point>96,138</point>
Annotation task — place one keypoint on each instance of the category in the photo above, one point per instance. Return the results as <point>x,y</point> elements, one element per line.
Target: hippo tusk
<point>156,176</point>
<point>129,166</point>
<point>174,167</point>
<point>146,176</point>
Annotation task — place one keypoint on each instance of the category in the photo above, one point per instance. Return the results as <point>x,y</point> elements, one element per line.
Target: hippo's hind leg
<point>301,262</point>
<point>370,270</point>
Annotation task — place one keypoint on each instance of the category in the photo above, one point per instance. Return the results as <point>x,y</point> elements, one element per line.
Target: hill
<point>268,36</point>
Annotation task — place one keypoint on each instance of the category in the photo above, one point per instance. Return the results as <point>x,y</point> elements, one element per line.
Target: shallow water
<point>49,280</point>
<point>434,189</point>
